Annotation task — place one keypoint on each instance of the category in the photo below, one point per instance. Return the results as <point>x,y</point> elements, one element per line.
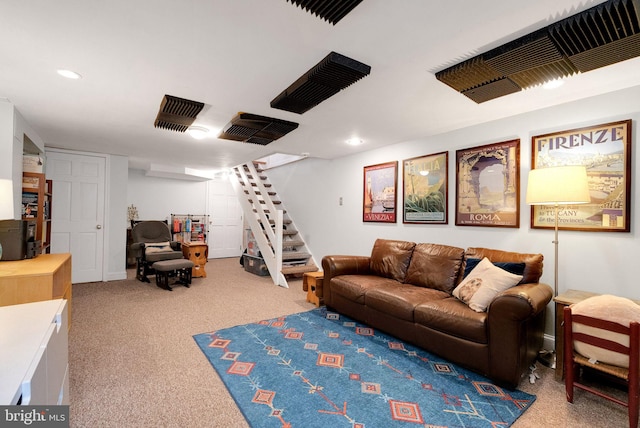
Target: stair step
<point>259,193</point>
<point>250,177</point>
<point>292,270</point>
<point>263,202</point>
<point>273,222</point>
<point>292,243</point>
<point>269,212</point>
<point>295,255</point>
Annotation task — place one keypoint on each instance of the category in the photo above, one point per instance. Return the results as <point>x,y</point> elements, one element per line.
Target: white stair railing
<point>269,239</point>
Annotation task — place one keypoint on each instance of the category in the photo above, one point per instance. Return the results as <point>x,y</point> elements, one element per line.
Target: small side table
<point>312,284</point>
<point>197,252</point>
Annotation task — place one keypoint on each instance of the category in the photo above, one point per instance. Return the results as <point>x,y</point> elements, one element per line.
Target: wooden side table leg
<point>559,345</point>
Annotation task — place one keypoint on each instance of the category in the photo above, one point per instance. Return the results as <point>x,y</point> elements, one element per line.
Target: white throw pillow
<point>483,284</point>
<point>157,247</point>
<point>611,308</point>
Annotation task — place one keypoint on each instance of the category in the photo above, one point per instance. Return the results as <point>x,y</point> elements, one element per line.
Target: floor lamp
<point>6,202</point>
<point>562,185</point>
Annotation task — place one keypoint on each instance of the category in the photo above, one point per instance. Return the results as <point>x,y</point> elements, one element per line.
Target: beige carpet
<point>133,361</point>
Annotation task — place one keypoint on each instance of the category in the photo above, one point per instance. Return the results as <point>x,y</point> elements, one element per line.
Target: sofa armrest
<point>516,320</point>
<point>521,302</point>
<point>337,265</point>
<point>345,265</point>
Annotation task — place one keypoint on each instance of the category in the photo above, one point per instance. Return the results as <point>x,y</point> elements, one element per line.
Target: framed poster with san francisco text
<point>379,195</point>
<point>488,185</point>
<point>424,187</point>
<point>605,150</point>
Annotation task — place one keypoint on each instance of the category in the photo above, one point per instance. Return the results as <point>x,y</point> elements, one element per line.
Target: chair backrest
<point>151,231</point>
<point>601,334</point>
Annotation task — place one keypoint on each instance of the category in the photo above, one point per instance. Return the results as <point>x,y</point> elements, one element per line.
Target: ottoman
<point>179,268</point>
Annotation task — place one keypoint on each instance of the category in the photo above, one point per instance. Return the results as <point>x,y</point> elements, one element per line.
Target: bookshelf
<point>189,227</point>
<point>36,205</point>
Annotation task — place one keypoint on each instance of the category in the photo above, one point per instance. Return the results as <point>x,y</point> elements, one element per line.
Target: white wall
<point>157,198</point>
<point>116,217</point>
<point>594,261</point>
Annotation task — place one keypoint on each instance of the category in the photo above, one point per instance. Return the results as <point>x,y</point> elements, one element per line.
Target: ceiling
<point>238,55</point>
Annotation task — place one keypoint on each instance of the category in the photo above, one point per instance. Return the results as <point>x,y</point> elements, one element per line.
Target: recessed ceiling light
<point>552,84</point>
<point>69,74</point>
<point>197,132</point>
<point>354,141</point>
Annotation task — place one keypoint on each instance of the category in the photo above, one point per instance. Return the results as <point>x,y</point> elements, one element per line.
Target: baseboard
<point>116,276</point>
<point>549,342</point>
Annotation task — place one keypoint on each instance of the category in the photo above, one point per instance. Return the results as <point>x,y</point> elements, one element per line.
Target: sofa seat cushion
<point>354,287</point>
<point>453,317</point>
<point>399,300</point>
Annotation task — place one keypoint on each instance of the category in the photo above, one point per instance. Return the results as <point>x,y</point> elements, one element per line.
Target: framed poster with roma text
<point>379,195</point>
<point>605,150</point>
<point>488,185</point>
<point>424,184</point>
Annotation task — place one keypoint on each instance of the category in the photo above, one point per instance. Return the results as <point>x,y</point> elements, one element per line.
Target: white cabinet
<point>34,353</point>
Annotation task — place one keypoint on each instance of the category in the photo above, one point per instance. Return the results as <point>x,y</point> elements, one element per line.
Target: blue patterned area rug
<point>321,369</point>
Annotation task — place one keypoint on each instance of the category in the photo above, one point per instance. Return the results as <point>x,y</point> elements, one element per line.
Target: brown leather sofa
<point>404,289</point>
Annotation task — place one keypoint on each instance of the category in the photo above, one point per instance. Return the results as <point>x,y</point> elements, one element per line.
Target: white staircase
<point>281,245</point>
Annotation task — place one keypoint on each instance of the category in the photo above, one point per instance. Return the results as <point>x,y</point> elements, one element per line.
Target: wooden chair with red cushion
<point>573,361</point>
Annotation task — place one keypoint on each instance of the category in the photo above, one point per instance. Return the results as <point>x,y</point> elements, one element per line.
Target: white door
<point>225,231</point>
<point>77,211</point>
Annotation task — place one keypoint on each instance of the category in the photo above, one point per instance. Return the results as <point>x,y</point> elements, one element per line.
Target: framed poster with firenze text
<point>605,150</point>
<point>379,193</point>
<point>488,185</point>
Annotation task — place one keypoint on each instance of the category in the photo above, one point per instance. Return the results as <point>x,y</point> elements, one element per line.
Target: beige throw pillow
<point>157,247</point>
<point>483,284</point>
<point>611,308</point>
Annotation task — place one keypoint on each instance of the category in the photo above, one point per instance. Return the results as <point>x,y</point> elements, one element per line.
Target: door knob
<point>99,226</point>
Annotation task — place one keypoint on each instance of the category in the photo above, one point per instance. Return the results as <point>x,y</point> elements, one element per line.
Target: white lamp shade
<point>6,199</point>
<point>558,185</point>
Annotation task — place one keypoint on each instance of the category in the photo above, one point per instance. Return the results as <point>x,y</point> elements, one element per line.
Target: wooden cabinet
<point>36,205</point>
<point>45,277</point>
<point>197,252</point>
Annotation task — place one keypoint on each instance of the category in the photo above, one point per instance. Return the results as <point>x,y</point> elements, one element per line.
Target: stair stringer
<point>273,259</point>
<point>263,205</point>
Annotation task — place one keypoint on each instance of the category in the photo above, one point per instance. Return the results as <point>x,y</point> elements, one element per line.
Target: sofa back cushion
<point>533,262</point>
<point>390,259</point>
<point>435,266</point>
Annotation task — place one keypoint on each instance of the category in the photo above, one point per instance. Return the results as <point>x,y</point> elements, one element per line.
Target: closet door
<point>77,212</point>
<point>225,214</point>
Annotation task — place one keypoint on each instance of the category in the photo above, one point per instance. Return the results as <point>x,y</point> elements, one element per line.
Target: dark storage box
<point>255,265</point>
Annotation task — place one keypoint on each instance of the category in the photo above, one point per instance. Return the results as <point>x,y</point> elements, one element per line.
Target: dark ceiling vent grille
<point>334,73</point>
<point>602,35</point>
<point>177,114</point>
<point>329,10</point>
<point>531,51</point>
<point>251,128</point>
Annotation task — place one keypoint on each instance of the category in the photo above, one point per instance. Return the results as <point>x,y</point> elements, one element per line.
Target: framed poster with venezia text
<point>488,185</point>
<point>424,184</point>
<point>605,150</point>
<point>379,195</point>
